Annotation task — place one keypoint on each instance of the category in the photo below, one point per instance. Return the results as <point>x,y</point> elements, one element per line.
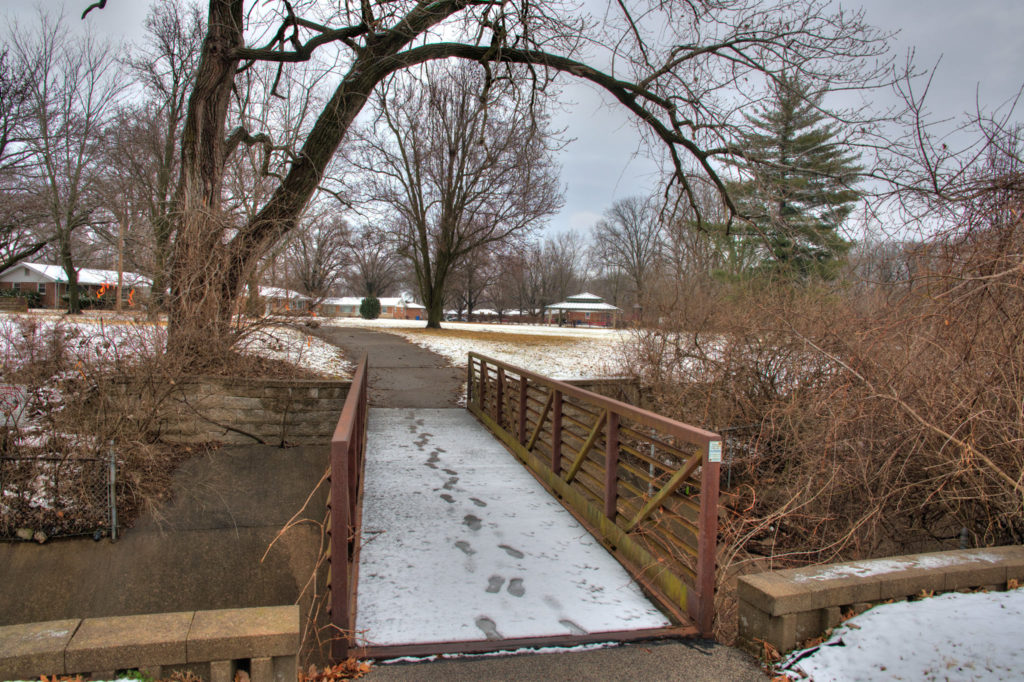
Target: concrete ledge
<point>786,607</point>
<point>244,633</point>
<point>128,642</point>
<point>25,649</point>
<point>265,639</point>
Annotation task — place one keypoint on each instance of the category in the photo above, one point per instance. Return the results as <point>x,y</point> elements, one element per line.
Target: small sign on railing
<point>715,451</point>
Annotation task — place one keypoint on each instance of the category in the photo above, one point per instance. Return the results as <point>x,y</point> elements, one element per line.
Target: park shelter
<point>583,309</point>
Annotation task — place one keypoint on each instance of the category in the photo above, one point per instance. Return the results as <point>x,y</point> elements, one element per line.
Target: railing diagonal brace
<point>540,422</point>
<point>582,454</point>
<point>669,488</point>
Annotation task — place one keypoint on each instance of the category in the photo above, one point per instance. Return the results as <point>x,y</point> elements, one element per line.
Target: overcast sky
<point>980,43</point>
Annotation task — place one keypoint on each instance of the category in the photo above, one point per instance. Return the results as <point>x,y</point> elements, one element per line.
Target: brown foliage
<point>864,419</point>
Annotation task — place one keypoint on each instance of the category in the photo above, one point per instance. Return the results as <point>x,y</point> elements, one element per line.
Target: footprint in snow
<point>512,551</point>
<point>488,627</point>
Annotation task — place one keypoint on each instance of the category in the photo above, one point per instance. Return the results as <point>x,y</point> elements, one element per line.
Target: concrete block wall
<point>213,644</point>
<point>246,411</point>
<point>785,608</point>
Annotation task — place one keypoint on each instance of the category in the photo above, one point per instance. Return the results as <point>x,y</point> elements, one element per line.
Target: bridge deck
<point>462,544</point>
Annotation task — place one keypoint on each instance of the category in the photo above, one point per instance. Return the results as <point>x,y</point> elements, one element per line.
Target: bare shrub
<point>90,389</point>
<point>863,419</point>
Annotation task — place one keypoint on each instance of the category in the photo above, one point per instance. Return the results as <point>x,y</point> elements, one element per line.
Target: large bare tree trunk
<point>200,300</point>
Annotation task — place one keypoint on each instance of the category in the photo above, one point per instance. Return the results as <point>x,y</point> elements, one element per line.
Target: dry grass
<point>505,338</point>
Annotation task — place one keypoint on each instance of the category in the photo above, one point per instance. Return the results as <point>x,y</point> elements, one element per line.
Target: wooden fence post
<point>556,433</point>
<point>483,385</point>
<point>522,409</point>
<point>611,466</point>
<point>340,506</point>
<point>499,398</point>
<point>707,541</point>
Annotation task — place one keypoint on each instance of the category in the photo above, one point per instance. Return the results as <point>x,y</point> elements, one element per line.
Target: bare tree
<point>629,239</point>
<point>676,64</point>
<point>17,210</point>
<point>165,65</point>
<point>562,262</point>
<point>73,89</point>
<point>317,256</point>
<point>471,279</point>
<point>461,168</point>
<point>375,268</point>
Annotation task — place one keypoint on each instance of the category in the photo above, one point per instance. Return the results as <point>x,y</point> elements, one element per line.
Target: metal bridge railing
<point>348,457</point>
<point>645,485</point>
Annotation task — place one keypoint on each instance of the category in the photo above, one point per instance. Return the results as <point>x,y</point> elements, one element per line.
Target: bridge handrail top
<point>691,434</point>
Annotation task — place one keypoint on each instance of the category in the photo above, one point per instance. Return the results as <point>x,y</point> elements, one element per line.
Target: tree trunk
<point>200,298</point>
<point>74,305</point>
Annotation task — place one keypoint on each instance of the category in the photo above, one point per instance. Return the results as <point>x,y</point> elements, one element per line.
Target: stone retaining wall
<point>246,411</point>
<point>784,608</point>
<point>212,644</point>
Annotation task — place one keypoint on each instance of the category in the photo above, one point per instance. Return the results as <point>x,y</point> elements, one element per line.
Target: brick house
<point>278,301</point>
<point>583,309</point>
<point>51,283</point>
<point>395,308</point>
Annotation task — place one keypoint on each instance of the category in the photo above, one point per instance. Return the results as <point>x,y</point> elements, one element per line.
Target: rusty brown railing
<point>645,485</point>
<point>348,456</point>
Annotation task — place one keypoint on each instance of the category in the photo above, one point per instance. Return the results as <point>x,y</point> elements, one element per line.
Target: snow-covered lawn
<point>300,349</point>
<point>560,352</point>
<point>949,637</point>
<point>109,334</point>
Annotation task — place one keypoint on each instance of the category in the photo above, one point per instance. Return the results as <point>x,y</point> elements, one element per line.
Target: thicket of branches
<point>879,414</point>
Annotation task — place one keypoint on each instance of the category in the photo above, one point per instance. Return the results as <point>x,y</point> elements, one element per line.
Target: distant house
<point>396,308</point>
<point>277,301</point>
<point>51,283</point>
<point>583,308</point>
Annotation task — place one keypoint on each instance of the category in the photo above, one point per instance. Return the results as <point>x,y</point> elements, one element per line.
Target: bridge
<point>543,514</point>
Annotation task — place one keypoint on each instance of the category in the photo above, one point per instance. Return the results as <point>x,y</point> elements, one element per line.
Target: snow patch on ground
<point>121,336</point>
<point>949,637</point>
<point>861,569</point>
<point>512,652</point>
<point>558,352</point>
<point>300,349</point>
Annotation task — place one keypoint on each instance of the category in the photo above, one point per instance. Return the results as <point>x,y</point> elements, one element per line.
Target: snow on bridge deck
<point>461,543</point>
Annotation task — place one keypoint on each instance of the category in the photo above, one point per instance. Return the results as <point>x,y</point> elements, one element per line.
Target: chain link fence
<point>48,497</point>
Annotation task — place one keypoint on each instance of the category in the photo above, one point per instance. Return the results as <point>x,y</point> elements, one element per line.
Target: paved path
<point>401,373</point>
<point>688,660</point>
<point>461,543</point>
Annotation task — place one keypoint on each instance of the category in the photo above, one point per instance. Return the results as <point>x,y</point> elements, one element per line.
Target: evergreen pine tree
<point>798,184</point>
<point>369,308</point>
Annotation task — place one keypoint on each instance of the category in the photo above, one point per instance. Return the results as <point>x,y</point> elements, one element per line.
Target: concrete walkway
<point>401,373</point>
<point>461,543</point>
<point>684,661</point>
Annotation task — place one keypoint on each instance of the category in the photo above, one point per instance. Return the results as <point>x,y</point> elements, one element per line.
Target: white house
<point>51,283</point>
<point>398,308</point>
